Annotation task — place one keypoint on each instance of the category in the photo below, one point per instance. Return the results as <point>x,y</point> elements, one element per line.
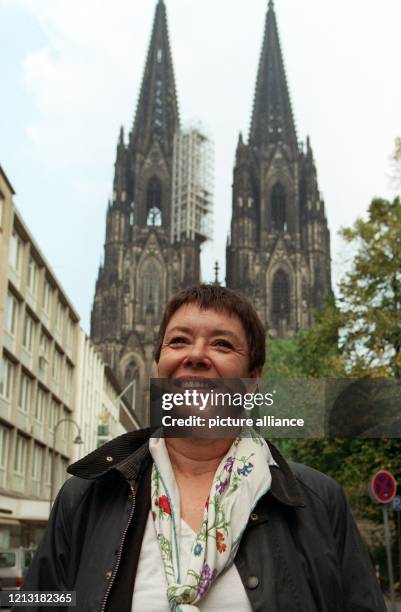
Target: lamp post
<point>77,440</point>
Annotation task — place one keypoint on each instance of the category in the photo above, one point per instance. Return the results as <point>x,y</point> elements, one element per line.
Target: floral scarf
<point>241,479</point>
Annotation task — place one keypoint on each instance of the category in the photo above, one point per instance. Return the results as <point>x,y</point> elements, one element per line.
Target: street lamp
<point>77,440</point>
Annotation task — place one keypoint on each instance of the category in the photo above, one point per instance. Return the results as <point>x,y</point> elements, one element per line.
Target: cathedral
<point>278,251</point>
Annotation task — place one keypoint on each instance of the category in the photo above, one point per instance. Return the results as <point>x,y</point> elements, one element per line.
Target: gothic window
<point>278,208</point>
<point>154,202</point>
<point>305,293</point>
<point>151,290</point>
<point>281,296</point>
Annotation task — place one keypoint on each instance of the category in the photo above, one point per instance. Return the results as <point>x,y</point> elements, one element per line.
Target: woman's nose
<point>197,355</point>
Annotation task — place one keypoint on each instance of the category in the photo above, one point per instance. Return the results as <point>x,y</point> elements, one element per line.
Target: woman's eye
<point>223,344</point>
<point>178,340</point>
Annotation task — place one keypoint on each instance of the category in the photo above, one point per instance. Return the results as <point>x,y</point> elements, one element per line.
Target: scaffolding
<point>193,184</point>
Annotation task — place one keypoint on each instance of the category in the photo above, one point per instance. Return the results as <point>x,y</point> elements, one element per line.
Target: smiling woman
<point>149,524</point>
<point>226,319</point>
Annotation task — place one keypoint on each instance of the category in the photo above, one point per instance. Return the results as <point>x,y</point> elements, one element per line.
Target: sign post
<point>397,509</point>
<point>383,487</point>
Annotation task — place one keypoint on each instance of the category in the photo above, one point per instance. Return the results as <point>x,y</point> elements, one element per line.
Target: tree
<point>371,293</point>
<point>357,335</point>
<point>310,353</point>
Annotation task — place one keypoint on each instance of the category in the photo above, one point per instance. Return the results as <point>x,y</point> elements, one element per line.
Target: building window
<point>69,334</point>
<point>40,408</point>
<point>281,296</point>
<point>28,337</point>
<point>59,316</point>
<point>54,414</point>
<point>46,298</point>
<point>154,202</point>
<point>4,437</point>
<point>37,463</point>
<point>15,254</point>
<point>48,457</point>
<point>32,278</point>
<point>7,370</point>
<point>25,393</point>
<point>21,447</point>
<point>11,314</point>
<point>57,364</point>
<point>68,382</point>
<point>65,427</point>
<point>44,352</point>
<point>151,290</point>
<point>278,200</point>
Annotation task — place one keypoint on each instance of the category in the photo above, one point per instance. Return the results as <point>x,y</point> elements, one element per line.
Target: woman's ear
<point>256,372</point>
<point>252,383</point>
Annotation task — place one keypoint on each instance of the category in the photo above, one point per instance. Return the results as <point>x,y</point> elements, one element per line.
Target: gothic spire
<point>272,119</point>
<point>120,171</point>
<point>157,115</point>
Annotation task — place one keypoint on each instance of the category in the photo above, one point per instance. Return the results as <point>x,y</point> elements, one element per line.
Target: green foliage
<point>310,353</point>
<point>359,336</point>
<point>371,293</point>
<point>283,359</point>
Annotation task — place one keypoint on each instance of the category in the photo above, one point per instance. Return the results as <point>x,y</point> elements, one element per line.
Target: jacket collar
<point>128,454</point>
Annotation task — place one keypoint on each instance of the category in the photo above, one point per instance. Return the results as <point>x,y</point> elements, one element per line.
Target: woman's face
<point>206,343</point>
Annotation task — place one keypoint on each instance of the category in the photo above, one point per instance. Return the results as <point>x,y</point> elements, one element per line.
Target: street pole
<point>399,544</point>
<point>389,559</point>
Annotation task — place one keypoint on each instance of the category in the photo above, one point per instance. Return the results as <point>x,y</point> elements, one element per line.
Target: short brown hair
<point>215,297</point>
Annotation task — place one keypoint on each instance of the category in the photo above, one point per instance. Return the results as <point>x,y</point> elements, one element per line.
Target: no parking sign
<point>383,487</point>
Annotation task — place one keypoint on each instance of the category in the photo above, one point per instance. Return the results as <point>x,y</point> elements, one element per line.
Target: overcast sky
<point>70,72</point>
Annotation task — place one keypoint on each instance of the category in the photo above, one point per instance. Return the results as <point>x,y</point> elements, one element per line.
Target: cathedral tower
<point>143,264</point>
<point>278,252</point>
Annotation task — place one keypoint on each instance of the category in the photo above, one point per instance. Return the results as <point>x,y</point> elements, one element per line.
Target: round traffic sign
<point>383,487</point>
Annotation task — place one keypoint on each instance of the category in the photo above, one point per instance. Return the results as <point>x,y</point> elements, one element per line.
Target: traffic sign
<point>397,503</point>
<point>383,487</point>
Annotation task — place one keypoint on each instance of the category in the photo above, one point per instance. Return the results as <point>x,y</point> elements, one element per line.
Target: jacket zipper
<point>120,551</point>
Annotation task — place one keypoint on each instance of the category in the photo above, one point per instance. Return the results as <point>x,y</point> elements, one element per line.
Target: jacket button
<point>252,582</point>
<point>254,516</point>
<point>109,458</point>
<point>108,574</point>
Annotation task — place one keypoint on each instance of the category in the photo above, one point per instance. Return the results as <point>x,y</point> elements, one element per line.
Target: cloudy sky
<point>70,72</point>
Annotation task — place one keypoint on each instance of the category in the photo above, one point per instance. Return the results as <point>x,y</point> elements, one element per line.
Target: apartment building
<point>58,399</point>
<point>38,347</point>
<point>101,410</point>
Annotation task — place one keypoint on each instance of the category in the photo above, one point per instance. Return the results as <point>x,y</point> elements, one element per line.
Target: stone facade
<point>278,252</point>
